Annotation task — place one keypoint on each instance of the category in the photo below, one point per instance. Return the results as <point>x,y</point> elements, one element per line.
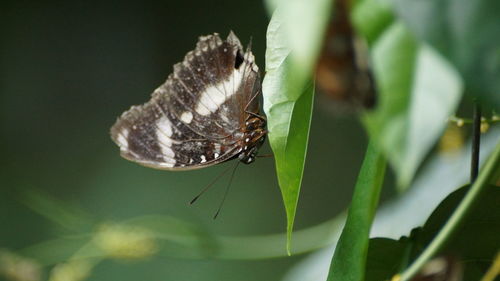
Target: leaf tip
<point>289,242</point>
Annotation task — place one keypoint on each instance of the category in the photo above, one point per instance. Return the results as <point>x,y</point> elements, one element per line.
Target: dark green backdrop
<point>68,69</point>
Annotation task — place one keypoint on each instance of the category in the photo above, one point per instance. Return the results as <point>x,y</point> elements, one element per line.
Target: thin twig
<point>476,139</point>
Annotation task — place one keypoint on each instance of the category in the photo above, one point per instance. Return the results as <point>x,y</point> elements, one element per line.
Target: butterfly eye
<point>249,160</point>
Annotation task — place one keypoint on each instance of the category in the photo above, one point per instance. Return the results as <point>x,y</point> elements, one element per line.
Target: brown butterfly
<point>342,71</point>
<point>207,111</point>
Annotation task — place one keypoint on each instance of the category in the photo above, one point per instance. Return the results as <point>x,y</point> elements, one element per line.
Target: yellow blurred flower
<point>484,127</point>
<point>125,242</point>
<point>452,140</point>
<point>17,268</point>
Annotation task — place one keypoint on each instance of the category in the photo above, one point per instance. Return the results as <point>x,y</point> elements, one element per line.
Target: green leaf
<point>384,258</point>
<point>63,214</point>
<point>488,171</point>
<point>466,33</point>
<point>418,91</point>
<point>183,240</point>
<point>292,48</point>
<point>436,92</point>
<point>288,125</point>
<point>371,18</point>
<point>478,233</point>
<point>442,173</point>
<point>475,247</point>
<point>473,212</point>
<point>303,23</point>
<point>55,251</point>
<point>348,263</point>
<point>439,177</point>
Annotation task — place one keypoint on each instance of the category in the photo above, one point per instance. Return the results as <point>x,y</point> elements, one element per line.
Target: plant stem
<point>458,215</point>
<point>476,141</point>
<point>349,259</point>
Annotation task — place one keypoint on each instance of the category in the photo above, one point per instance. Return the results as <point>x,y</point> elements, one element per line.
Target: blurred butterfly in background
<point>207,111</point>
<point>343,72</point>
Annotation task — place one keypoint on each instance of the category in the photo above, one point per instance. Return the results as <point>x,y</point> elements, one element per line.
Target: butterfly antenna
<point>249,46</point>
<point>265,156</point>
<point>209,185</point>
<point>227,190</point>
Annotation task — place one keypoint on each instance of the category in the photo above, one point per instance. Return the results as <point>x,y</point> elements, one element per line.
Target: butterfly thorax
<point>254,137</point>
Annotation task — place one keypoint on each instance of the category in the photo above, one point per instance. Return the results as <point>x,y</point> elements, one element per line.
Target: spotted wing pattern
<point>197,117</point>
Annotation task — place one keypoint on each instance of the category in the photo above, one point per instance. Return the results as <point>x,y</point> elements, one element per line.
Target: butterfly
<point>206,112</point>
<point>343,72</point>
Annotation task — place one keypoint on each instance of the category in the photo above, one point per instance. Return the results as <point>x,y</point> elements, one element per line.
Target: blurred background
<point>72,209</point>
<point>68,69</point>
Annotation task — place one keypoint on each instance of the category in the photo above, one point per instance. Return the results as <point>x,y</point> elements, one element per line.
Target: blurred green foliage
<point>68,70</point>
<point>474,247</point>
<point>72,209</point>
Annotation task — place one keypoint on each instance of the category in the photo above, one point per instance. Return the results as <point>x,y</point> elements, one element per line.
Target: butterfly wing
<point>195,118</point>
